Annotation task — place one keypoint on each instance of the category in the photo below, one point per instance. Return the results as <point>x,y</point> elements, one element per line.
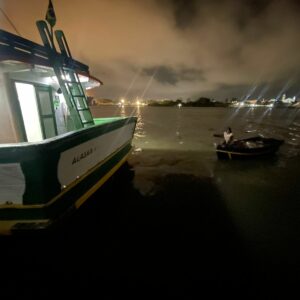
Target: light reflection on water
<point>139,130</point>
<point>261,196</point>
<point>192,129</point>
<point>183,137</point>
<point>178,126</point>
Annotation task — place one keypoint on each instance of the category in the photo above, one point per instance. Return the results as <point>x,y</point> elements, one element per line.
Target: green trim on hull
<point>99,121</point>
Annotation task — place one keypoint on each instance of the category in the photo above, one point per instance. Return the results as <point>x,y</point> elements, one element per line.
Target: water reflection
<point>189,128</point>
<point>179,137</point>
<point>122,111</point>
<point>140,132</point>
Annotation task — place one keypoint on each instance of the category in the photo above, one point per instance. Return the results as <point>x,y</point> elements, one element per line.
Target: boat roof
<point>19,49</point>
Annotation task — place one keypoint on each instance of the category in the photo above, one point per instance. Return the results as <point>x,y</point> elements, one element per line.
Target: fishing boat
<point>53,153</point>
<point>252,147</point>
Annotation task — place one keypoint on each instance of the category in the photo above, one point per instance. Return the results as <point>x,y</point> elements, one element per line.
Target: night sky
<point>175,48</point>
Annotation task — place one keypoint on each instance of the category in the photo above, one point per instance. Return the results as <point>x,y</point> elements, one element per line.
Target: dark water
<point>176,222</point>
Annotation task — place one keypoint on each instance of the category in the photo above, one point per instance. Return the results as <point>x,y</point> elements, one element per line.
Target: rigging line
<point>10,22</point>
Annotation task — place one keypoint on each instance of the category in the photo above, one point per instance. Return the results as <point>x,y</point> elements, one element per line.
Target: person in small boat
<point>228,136</point>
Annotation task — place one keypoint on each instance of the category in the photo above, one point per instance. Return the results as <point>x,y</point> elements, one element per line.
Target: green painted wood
<point>100,121</point>
<point>72,85</point>
<point>58,68</point>
<point>47,89</point>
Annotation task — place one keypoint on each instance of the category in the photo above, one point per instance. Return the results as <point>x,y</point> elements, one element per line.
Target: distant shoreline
<point>196,106</point>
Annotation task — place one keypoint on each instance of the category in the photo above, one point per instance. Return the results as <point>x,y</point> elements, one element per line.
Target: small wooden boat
<point>248,148</point>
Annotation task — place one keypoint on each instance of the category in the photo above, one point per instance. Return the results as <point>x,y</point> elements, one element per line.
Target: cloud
<point>195,48</point>
<point>168,75</point>
<point>184,12</point>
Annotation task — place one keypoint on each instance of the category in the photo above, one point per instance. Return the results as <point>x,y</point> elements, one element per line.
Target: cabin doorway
<point>37,111</point>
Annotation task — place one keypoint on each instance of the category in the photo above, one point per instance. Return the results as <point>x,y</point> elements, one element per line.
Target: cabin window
<point>45,103</point>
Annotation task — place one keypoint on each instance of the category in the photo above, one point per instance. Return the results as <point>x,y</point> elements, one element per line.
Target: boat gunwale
<point>92,131</point>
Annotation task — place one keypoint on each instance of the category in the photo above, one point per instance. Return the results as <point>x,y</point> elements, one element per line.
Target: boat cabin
<point>39,99</point>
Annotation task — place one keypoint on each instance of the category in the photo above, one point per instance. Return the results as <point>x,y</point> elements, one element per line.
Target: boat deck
<point>100,121</point>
